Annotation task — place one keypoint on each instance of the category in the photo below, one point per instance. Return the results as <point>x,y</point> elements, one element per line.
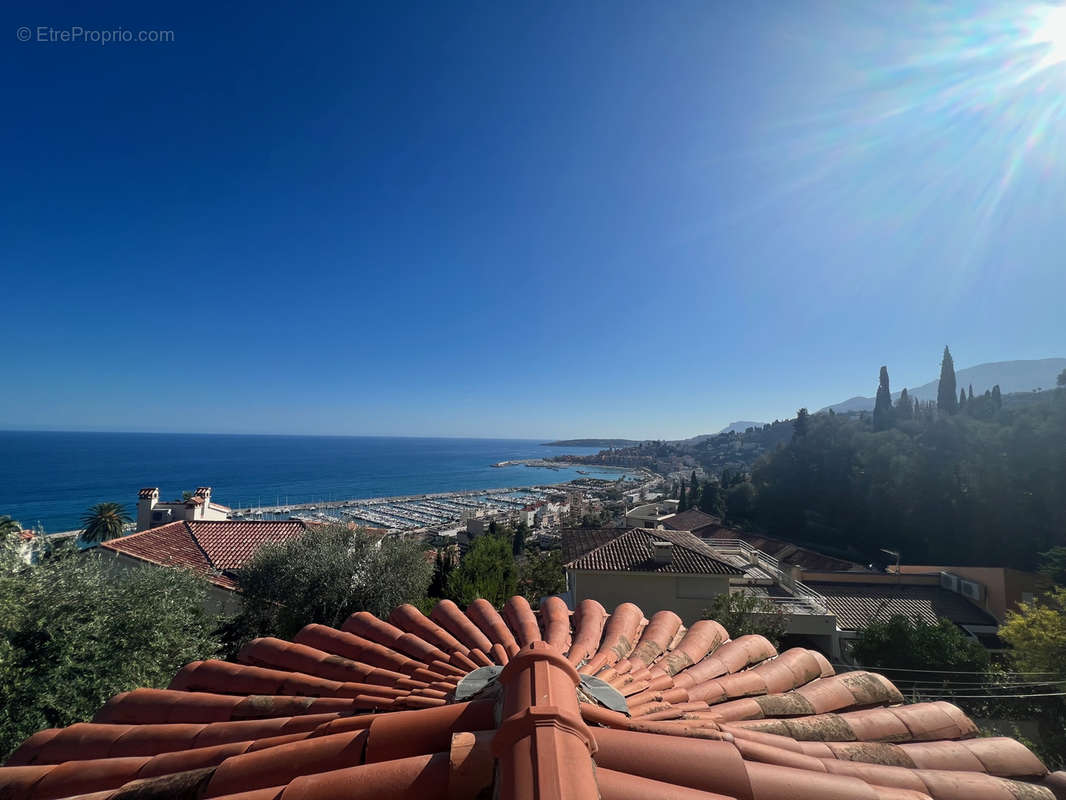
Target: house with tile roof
<point>152,513</point>
<point>524,704</point>
<point>678,571</point>
<point>998,590</point>
<point>858,599</point>
<point>213,549</point>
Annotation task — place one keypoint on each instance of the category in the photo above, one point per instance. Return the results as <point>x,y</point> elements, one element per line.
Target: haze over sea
<point>51,478</point>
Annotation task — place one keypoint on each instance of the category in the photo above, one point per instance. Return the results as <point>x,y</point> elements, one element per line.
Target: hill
<point>592,443</point>
<point>1012,376</point>
<point>740,426</point>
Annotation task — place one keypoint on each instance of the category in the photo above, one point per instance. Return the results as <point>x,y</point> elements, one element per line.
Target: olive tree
<point>323,576</point>
<point>74,632</point>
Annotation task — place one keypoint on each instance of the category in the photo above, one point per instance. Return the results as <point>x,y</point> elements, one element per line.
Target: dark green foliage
<point>1053,565</point>
<point>693,491</point>
<point>969,398</point>
<point>712,499</point>
<point>942,490</point>
<point>519,539</point>
<point>1061,379</point>
<point>8,526</point>
<point>76,630</point>
<point>997,398</point>
<point>904,643</point>
<point>104,521</point>
<point>946,401</point>
<point>742,614</point>
<point>682,503</point>
<point>443,565</point>
<point>883,403</point>
<point>324,576</point>
<point>904,407</point>
<point>739,501</point>
<point>488,570</point>
<point>801,423</point>
<point>541,574</point>
<point>962,399</point>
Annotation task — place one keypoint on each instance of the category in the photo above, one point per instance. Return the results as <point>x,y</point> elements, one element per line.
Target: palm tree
<point>104,521</point>
<point>8,526</point>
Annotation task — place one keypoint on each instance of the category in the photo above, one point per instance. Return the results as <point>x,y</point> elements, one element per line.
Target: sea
<point>49,479</point>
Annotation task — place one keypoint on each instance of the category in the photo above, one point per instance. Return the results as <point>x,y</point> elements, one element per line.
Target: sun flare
<point>1052,33</point>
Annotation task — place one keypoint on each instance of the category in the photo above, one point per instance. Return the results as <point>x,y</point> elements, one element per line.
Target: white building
<point>197,507</point>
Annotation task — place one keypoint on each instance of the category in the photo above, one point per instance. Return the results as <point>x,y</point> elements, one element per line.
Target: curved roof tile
<point>370,711</point>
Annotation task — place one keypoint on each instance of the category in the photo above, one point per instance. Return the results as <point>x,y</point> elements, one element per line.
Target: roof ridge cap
<point>200,547</point>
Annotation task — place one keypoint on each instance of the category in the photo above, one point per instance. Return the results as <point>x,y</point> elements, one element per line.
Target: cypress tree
<point>970,398</point>
<point>693,491</point>
<point>904,408</point>
<point>962,399</point>
<point>883,404</point>
<point>682,503</point>
<point>997,398</point>
<point>946,401</point>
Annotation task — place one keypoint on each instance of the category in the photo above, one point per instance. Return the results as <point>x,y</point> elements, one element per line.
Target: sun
<point>1052,33</point>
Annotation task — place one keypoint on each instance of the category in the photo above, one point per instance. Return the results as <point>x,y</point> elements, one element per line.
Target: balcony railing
<point>802,594</point>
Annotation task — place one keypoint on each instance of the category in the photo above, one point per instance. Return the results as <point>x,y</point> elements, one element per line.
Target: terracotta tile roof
<point>631,551</point>
<point>578,541</point>
<point>692,520</point>
<point>371,711</point>
<point>210,548</point>
<point>857,604</point>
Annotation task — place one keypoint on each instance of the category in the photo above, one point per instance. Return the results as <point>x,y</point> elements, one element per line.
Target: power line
<point>966,686</point>
<point>852,667</point>
<point>926,697</point>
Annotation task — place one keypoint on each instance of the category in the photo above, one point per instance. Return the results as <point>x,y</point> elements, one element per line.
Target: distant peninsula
<point>593,443</point>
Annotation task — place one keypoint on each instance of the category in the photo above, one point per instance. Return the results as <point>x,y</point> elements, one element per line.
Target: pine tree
<point>904,408</point>
<point>799,426</point>
<point>883,404</point>
<point>946,401</point>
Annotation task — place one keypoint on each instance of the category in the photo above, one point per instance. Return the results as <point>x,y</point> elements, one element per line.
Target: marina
<point>422,512</point>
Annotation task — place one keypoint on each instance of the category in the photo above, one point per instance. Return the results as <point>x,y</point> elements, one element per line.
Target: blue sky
<point>631,219</point>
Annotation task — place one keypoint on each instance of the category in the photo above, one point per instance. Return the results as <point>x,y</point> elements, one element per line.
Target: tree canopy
<point>487,569</point>
<point>74,631</point>
<point>104,521</point>
<point>905,643</point>
<point>742,614</point>
<point>324,576</point>
<point>947,489</point>
<point>1037,634</point>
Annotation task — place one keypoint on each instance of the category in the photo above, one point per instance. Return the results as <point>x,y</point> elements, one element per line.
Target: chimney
<point>146,500</point>
<point>662,553</point>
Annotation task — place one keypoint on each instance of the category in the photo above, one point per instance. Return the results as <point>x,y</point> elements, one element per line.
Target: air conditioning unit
<point>971,589</point>
<point>949,581</point>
